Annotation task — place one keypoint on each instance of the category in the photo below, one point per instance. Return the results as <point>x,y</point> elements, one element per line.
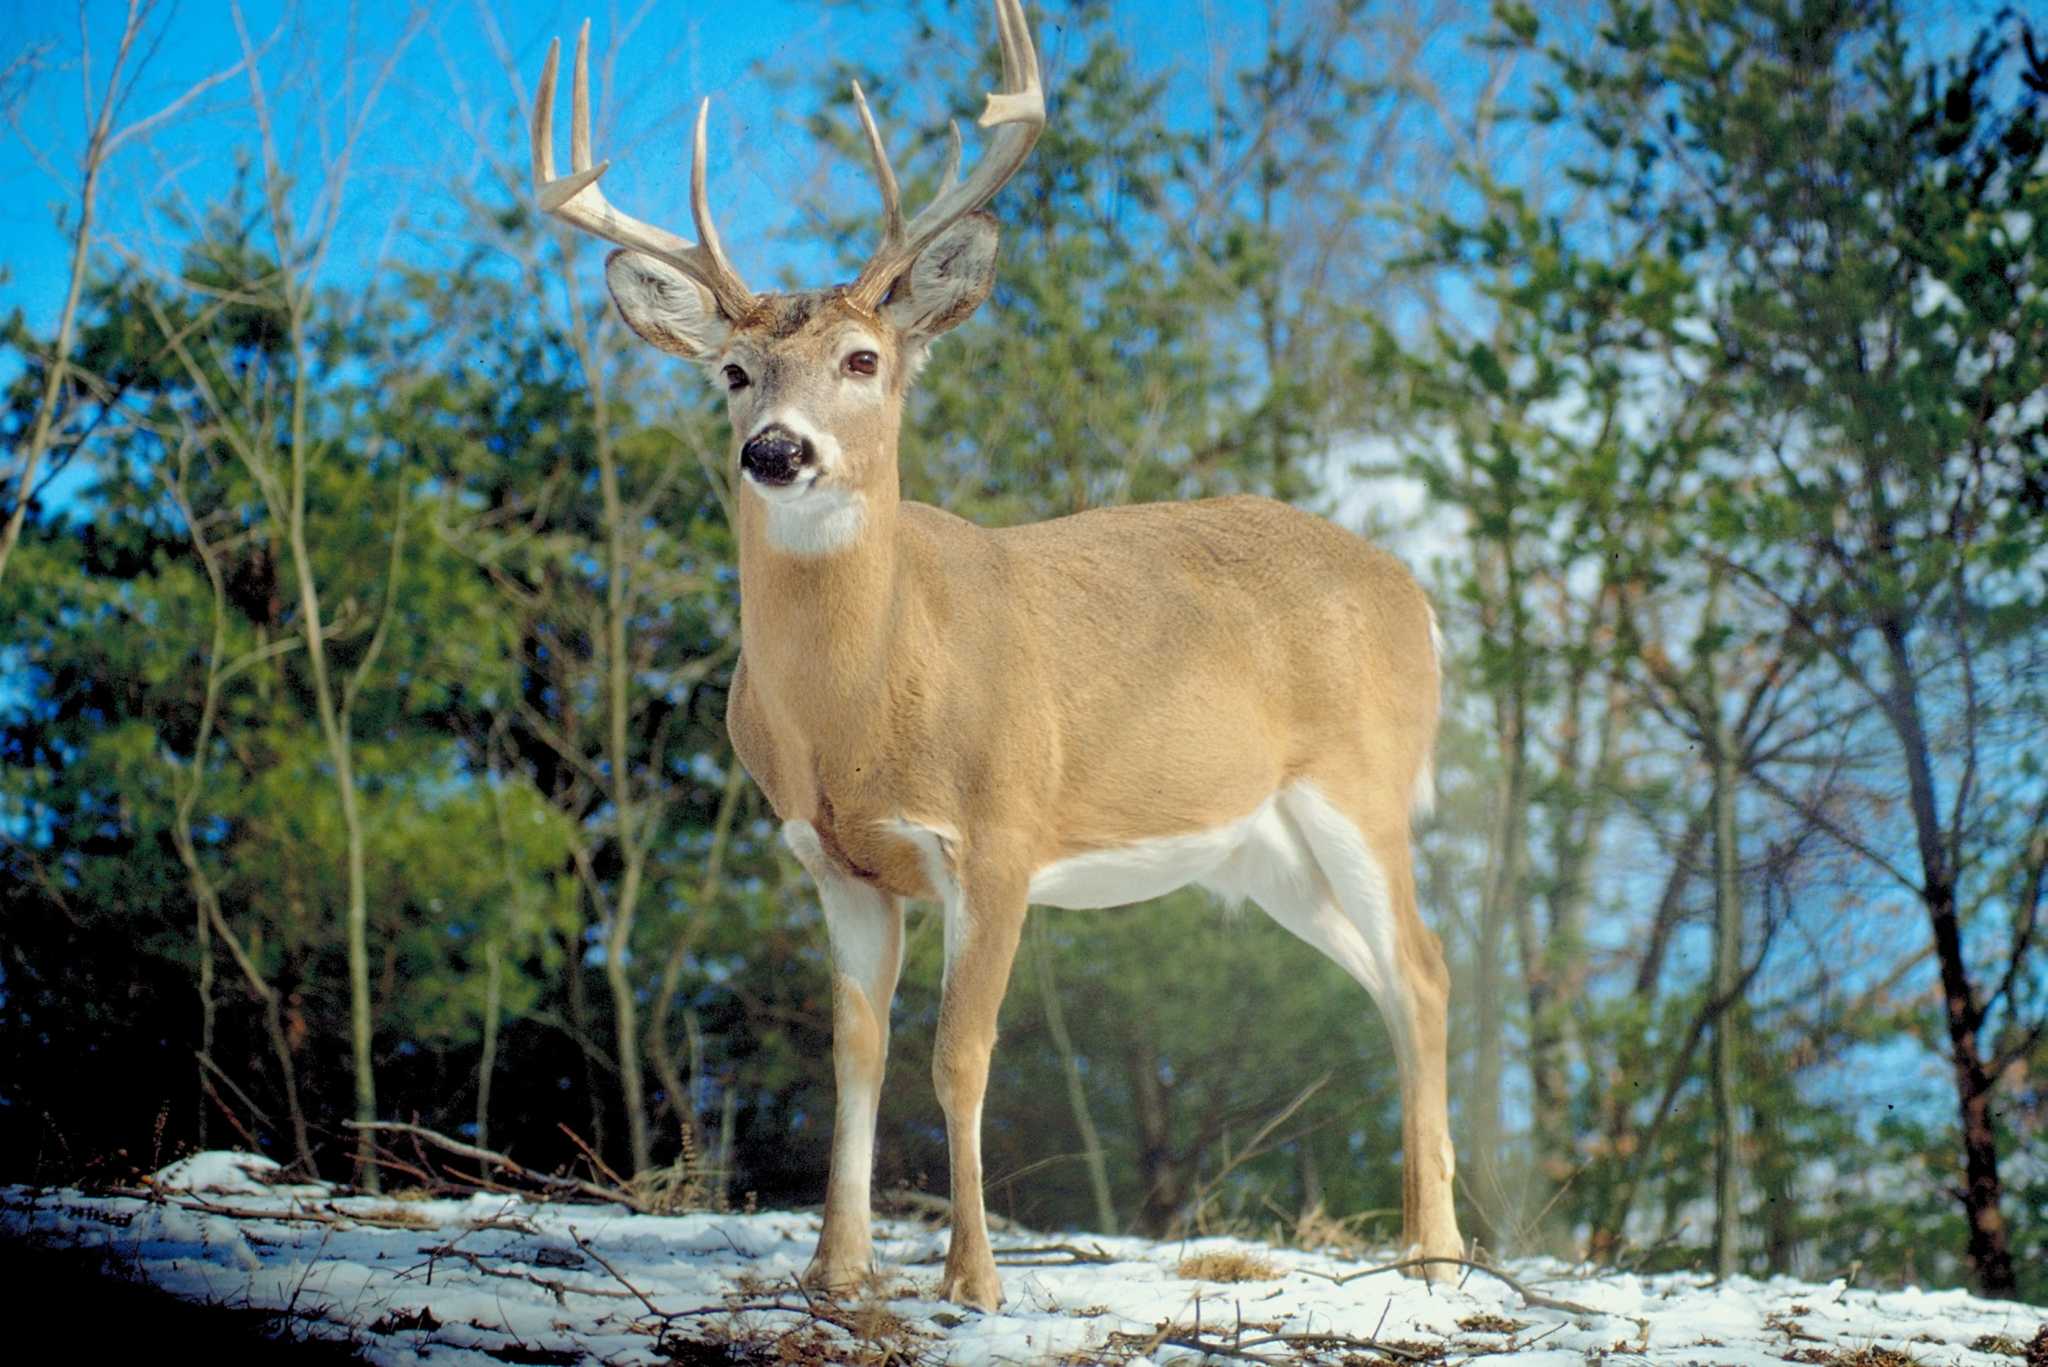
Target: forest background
<point>367,603</point>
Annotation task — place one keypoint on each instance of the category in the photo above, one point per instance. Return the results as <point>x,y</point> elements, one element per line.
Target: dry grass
<point>1227,1266</point>
<point>2003,1345</point>
<point>395,1217</point>
<point>1489,1323</point>
<point>1317,1231</point>
<point>1871,1355</point>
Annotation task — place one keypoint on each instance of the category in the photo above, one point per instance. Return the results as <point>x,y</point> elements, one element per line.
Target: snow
<point>502,1278</point>
<point>249,1174</point>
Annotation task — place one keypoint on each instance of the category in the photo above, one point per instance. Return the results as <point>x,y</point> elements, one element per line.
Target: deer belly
<point>1235,860</point>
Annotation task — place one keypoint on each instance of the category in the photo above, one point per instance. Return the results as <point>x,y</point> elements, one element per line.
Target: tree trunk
<point>579,1025</point>
<point>494,967</point>
<point>1989,1246</point>
<point>1497,1209</point>
<point>204,933</point>
<point>626,1037</point>
<point>1727,978</point>
<point>1161,1174</point>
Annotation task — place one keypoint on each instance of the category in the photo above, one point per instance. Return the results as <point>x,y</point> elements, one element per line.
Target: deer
<point>1086,712</point>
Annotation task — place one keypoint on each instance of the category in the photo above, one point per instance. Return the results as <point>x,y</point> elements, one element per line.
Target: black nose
<point>775,454</point>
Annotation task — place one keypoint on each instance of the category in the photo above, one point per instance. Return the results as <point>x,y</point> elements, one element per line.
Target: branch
<point>560,1186</point>
<point>1834,829</point>
<point>1535,1300</point>
<point>352,686</point>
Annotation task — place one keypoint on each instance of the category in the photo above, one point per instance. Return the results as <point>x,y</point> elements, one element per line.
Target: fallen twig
<point>553,1286</point>
<point>325,1214</point>
<point>1038,1255</point>
<point>1297,1344</point>
<point>1535,1300</point>
<point>617,1276</point>
<point>546,1181</point>
<point>597,1164</point>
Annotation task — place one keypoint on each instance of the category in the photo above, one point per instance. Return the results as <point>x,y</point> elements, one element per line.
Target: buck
<point>1086,712</point>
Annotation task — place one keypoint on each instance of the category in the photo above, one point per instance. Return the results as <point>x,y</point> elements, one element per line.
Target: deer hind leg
<point>1346,886</point>
<point>866,928</point>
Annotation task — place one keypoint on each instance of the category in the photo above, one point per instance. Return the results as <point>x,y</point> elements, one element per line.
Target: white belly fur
<point>1259,853</point>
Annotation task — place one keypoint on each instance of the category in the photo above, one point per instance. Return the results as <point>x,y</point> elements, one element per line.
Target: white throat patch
<point>814,519</point>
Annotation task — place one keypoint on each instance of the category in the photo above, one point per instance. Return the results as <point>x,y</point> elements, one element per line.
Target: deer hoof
<point>977,1287</point>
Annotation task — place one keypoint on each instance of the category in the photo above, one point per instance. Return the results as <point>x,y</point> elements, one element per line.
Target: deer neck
<point>819,627</point>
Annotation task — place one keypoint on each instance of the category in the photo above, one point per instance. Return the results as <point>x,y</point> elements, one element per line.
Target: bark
<point>1989,1245</point>
<point>487,1065</point>
<point>579,1025</point>
<point>1162,1173</point>
<point>1727,974</point>
<point>626,1038</point>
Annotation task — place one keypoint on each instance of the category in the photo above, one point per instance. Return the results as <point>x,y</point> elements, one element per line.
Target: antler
<point>1016,112</point>
<point>576,200</point>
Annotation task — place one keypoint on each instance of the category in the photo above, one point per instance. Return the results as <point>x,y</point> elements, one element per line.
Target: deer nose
<point>775,455</point>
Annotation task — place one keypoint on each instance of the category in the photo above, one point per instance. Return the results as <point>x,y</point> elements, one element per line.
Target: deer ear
<point>948,280</point>
<point>665,306</point>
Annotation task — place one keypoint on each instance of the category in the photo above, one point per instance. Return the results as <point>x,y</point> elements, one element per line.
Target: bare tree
<point>240,416</point>
<point>103,140</point>
<point>221,669</point>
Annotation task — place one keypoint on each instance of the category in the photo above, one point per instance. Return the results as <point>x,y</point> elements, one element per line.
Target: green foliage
<point>1768,403</point>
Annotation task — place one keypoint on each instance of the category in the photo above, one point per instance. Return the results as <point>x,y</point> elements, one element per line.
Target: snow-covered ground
<point>496,1279</point>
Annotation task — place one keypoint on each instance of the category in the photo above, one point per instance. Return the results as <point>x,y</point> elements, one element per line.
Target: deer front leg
<point>866,928</point>
<point>984,919</point>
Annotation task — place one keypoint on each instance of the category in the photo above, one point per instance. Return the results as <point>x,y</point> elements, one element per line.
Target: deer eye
<point>862,363</point>
<point>735,378</point>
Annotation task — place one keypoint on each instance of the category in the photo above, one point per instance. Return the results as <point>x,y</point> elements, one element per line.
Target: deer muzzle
<point>775,456</point>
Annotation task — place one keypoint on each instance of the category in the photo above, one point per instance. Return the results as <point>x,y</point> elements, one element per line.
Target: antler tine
<point>579,118</point>
<point>731,291</point>
<point>1016,113</point>
<point>951,176</point>
<point>1021,100</point>
<point>541,130</point>
<point>576,200</point>
<point>1006,41</point>
<point>885,174</point>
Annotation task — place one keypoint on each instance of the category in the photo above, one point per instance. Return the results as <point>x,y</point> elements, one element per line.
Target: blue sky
<point>415,143</point>
<point>456,99</point>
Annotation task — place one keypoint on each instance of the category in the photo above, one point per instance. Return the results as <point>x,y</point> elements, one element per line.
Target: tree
<point>1858,223</point>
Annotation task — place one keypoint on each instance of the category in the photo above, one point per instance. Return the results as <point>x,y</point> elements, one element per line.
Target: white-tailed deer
<point>1083,713</point>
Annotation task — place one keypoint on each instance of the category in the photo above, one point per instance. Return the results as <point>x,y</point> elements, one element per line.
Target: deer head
<point>815,380</point>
